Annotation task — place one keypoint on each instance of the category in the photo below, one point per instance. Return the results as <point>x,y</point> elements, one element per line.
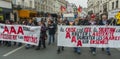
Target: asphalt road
<point>15,52</point>
<point>50,52</point>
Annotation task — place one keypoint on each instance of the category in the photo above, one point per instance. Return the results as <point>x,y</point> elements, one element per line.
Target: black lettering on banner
<point>98,37</point>
<point>80,30</point>
<point>26,29</point>
<point>95,30</point>
<point>118,30</point>
<point>73,33</point>
<point>20,37</point>
<point>61,29</point>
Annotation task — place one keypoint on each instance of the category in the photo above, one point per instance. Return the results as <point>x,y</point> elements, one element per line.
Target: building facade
<point>114,8</point>
<point>93,6</point>
<point>100,7</point>
<point>23,9</point>
<point>5,10</point>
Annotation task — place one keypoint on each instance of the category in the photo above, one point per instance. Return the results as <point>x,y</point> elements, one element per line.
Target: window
<point>112,5</point>
<point>31,4</point>
<point>14,1</point>
<point>117,4</point>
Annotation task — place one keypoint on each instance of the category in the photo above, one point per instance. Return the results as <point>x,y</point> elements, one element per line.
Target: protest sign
<point>20,33</point>
<point>89,36</point>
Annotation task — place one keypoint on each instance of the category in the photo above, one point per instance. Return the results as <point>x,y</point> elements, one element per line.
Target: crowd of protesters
<point>49,25</point>
<point>89,20</point>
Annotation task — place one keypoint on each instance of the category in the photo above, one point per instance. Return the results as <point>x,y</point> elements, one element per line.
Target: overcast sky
<point>82,3</point>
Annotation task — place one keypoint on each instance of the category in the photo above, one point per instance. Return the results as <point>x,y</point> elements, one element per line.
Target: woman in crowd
<point>51,31</point>
<point>60,48</point>
<point>43,35</point>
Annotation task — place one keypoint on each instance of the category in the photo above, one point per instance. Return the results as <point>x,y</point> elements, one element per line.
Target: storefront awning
<point>27,13</point>
<point>24,13</point>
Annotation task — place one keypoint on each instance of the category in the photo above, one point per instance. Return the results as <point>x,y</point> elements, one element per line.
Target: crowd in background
<point>49,29</point>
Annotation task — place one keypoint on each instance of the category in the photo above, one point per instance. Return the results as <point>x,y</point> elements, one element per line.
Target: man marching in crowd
<point>105,22</point>
<point>92,22</point>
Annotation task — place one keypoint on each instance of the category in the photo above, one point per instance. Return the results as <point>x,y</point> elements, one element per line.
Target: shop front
<point>5,10</point>
<point>5,13</point>
<point>26,14</point>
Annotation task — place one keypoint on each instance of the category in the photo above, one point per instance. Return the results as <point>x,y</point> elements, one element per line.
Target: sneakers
<point>79,52</point>
<point>102,49</point>
<point>58,51</point>
<point>62,48</point>
<point>93,53</point>
<point>37,48</point>
<point>108,53</point>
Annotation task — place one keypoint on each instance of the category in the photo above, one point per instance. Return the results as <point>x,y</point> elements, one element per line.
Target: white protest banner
<point>89,36</point>
<point>20,33</point>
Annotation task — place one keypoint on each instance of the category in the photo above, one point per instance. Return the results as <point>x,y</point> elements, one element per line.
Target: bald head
<point>104,17</point>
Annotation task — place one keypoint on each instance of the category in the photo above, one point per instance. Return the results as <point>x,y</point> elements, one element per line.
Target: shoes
<point>79,52</point>
<point>62,48</point>
<point>26,47</point>
<point>93,53</point>
<point>37,49</point>
<point>58,51</point>
<point>44,47</point>
<point>8,45</point>
<point>102,49</point>
<point>108,53</point>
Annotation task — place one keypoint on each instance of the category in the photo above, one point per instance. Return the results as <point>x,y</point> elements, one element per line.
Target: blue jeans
<point>77,49</point>
<point>108,50</point>
<point>93,49</point>
<point>51,38</point>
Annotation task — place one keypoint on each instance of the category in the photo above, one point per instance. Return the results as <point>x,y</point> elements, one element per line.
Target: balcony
<point>16,7</point>
<point>7,0</point>
<point>19,7</point>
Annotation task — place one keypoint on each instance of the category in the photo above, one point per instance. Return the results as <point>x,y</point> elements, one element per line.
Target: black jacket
<point>101,22</point>
<point>51,28</point>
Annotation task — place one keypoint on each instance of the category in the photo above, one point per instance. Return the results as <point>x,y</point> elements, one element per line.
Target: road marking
<point>13,51</point>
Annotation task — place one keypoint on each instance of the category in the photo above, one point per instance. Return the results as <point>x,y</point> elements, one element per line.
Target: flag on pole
<point>79,9</point>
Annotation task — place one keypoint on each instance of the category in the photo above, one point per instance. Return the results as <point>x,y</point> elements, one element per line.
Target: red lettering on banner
<point>26,38</point>
<point>15,37</point>
<point>112,30</point>
<point>70,29</point>
<point>9,37</point>
<point>95,34</point>
<point>73,39</point>
<point>6,30</point>
<point>34,40</point>
<point>105,38</point>
<point>111,38</point>
<point>87,29</point>
<point>92,41</point>
<point>20,30</point>
<point>98,41</point>
<point>106,31</point>
<point>30,39</point>
<point>68,35</point>
<point>79,43</point>
<point>117,38</point>
<point>12,30</point>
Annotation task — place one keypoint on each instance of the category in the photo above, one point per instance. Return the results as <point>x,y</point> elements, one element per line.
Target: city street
<point>15,52</point>
<point>70,23</point>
